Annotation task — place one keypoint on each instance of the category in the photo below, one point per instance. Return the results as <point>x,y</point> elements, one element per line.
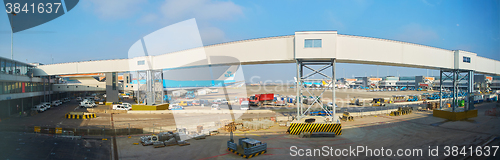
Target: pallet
<point>160,146</point>
<point>244,129</point>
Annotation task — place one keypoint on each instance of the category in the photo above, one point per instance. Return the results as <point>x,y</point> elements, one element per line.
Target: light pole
<point>12,14</point>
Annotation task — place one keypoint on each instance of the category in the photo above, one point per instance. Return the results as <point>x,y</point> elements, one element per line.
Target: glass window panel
<point>312,43</point>
<point>308,43</point>
<point>8,67</point>
<point>317,43</point>
<point>2,65</point>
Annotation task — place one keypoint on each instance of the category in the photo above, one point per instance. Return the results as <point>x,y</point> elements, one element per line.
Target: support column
<point>317,98</point>
<point>470,91</point>
<point>440,89</point>
<point>111,87</point>
<point>44,82</point>
<point>149,88</point>
<point>50,89</point>
<point>333,89</point>
<point>453,103</point>
<point>298,87</point>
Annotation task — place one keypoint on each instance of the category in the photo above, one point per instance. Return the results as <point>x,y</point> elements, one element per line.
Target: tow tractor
<point>355,101</point>
<point>246,147</point>
<point>378,102</point>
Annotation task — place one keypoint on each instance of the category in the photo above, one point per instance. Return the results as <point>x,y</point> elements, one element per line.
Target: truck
<point>261,99</point>
<point>123,106</point>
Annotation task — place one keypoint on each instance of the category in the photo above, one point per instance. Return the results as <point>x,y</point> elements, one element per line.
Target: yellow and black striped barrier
<point>297,128</point>
<point>80,116</point>
<point>246,156</point>
<point>401,111</point>
<point>395,113</point>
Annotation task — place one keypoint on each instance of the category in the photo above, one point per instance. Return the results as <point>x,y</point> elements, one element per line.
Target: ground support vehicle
<point>261,99</point>
<point>247,147</point>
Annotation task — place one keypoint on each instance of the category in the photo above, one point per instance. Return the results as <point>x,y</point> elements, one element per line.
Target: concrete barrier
<point>150,107</point>
<point>454,116</point>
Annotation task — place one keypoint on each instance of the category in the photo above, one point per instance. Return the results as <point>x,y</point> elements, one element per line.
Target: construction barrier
<point>297,128</point>
<point>138,107</point>
<point>80,116</point>
<point>347,117</point>
<point>401,111</point>
<point>246,156</point>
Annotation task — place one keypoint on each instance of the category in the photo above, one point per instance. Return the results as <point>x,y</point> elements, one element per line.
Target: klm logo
<point>229,74</point>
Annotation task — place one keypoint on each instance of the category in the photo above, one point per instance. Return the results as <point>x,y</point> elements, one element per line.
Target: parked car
<point>217,101</point>
<point>215,107</point>
<point>223,101</point>
<point>183,103</point>
<point>123,106</point>
<point>47,105</point>
<point>175,107</point>
<point>245,105</point>
<point>66,100</point>
<point>204,102</point>
<point>88,100</point>
<point>56,103</point>
<point>78,98</point>
<point>195,103</point>
<point>87,104</point>
<point>39,108</point>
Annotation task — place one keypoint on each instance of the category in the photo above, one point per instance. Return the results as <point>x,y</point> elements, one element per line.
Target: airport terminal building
<point>19,90</point>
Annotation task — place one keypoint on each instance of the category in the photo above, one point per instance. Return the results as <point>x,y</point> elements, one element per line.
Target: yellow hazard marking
<point>297,128</point>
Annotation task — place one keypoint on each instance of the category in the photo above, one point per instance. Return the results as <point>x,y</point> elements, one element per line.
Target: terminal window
<point>140,62</point>
<point>312,43</point>
<point>466,59</point>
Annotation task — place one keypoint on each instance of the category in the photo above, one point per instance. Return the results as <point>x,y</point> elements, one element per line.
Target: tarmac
<point>419,130</point>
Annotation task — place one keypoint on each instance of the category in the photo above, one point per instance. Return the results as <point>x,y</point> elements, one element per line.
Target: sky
<point>97,29</point>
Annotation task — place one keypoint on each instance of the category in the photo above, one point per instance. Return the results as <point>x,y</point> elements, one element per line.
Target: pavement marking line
<point>239,135</point>
<point>214,156</point>
<point>251,133</point>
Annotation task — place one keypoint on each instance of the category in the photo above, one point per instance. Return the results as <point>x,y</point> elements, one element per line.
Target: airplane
<point>313,84</point>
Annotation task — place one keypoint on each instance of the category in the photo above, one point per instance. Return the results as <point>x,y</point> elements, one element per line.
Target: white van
<point>87,104</point>
<point>123,106</point>
<point>245,105</point>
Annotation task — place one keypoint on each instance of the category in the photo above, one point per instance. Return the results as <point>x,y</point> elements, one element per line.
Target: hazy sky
<point>105,29</point>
